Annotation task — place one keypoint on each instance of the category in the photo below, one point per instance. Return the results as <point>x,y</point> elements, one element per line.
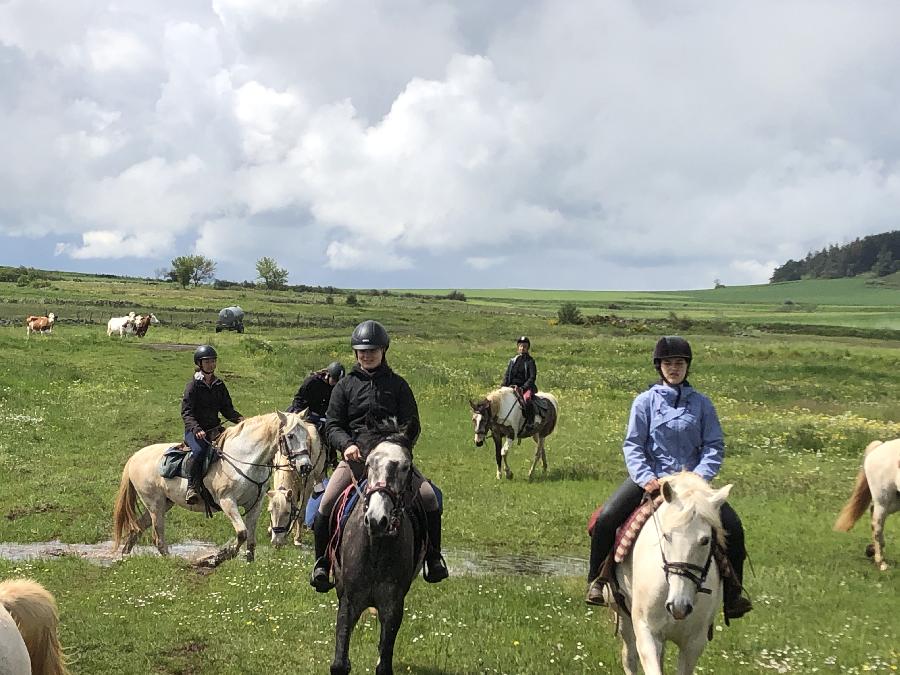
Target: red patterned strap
<point>627,534</point>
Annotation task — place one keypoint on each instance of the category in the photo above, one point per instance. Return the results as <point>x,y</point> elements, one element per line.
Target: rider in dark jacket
<point>370,393</point>
<point>205,396</point>
<point>315,392</point>
<point>522,373</point>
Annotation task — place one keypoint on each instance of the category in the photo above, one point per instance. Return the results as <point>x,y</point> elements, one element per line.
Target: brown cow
<point>39,324</point>
<point>143,323</point>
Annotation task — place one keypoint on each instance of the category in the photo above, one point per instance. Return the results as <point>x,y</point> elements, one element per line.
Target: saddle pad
<point>172,460</point>
<point>312,506</point>
<point>628,532</point>
<point>547,412</point>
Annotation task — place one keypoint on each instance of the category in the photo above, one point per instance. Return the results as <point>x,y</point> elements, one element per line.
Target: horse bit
<point>398,501</point>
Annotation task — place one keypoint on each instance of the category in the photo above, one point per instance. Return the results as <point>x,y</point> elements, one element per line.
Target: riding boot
<point>321,574</point>
<point>529,416</point>
<point>735,604</point>
<point>435,566</point>
<point>195,481</point>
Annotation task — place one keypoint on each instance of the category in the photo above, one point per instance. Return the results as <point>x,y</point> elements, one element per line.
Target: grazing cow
<point>121,324</point>
<point>39,324</point>
<point>142,323</point>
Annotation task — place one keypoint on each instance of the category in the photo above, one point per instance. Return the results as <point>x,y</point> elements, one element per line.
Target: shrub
<point>569,313</point>
<point>329,299</point>
<point>456,295</point>
<point>351,300</point>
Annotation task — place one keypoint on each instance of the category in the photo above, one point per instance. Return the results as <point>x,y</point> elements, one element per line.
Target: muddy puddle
<point>467,563</point>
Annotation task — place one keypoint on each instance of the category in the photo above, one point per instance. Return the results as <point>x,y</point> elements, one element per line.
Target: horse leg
<point>391,616</point>
<point>157,508</point>
<point>879,515</point>
<point>690,653</point>
<point>143,523</point>
<point>543,454</point>
<point>230,509</point>
<point>498,456</point>
<point>649,649</point>
<point>629,648</point>
<point>504,452</point>
<point>250,517</point>
<point>347,616</point>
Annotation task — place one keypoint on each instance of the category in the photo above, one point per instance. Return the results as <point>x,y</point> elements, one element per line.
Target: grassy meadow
<point>801,388</point>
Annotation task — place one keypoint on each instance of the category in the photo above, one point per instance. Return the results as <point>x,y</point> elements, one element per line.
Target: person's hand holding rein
<point>651,486</point>
<point>352,453</point>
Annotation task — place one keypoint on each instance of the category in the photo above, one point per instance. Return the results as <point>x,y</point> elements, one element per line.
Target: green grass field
<point>798,406</point>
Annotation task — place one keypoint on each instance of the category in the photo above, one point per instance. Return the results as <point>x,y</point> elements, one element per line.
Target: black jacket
<point>202,403</point>
<point>313,394</point>
<point>521,372</point>
<point>361,398</point>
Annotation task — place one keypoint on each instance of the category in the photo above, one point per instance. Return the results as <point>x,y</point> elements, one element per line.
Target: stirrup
<point>435,569</point>
<point>594,594</point>
<point>737,607</point>
<point>320,579</point>
<point>191,495</point>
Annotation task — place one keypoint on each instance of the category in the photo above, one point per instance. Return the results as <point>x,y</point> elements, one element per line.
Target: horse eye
<point>704,541</point>
<point>667,537</point>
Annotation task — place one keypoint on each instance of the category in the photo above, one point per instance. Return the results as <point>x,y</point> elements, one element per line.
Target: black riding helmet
<point>204,352</point>
<point>370,335</point>
<point>524,339</point>
<point>671,347</point>
<point>335,370</point>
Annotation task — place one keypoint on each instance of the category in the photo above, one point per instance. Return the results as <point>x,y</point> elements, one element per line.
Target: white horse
<point>670,581</point>
<point>29,622</point>
<point>121,325</point>
<point>878,483</point>
<point>501,414</point>
<point>293,482</point>
<point>238,479</point>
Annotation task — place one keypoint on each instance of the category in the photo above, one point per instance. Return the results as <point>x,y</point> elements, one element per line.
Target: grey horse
<point>380,552</point>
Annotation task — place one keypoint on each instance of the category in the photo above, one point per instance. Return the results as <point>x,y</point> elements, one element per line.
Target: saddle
<point>543,408</point>
<point>176,462</point>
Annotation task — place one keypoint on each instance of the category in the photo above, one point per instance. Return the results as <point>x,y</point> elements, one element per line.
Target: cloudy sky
<point>599,144</point>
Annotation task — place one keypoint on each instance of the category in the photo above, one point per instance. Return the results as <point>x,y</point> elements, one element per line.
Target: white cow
<point>122,325</point>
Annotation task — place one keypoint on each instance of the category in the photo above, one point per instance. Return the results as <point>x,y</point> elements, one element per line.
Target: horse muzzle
<point>382,526</point>
<point>479,441</point>
<point>679,609</point>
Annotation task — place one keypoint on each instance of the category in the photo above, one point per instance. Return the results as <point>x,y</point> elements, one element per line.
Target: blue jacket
<point>662,440</point>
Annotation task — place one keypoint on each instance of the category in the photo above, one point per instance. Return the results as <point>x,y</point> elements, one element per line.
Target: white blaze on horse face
<point>479,436</point>
<point>689,543</point>
<point>279,515</point>
<point>388,466</point>
<point>298,445</point>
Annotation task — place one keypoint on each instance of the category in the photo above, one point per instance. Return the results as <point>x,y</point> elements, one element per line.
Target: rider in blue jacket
<point>671,428</point>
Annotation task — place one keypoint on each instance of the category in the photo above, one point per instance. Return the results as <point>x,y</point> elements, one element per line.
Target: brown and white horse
<point>39,324</point>
<point>500,413</point>
<point>29,623</point>
<point>878,484</point>
<point>142,324</point>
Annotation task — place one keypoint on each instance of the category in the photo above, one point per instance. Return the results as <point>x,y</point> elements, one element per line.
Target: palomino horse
<point>670,581</point>
<point>29,622</point>
<point>501,414</point>
<point>378,556</point>
<point>878,483</point>
<point>293,483</point>
<point>238,479</point>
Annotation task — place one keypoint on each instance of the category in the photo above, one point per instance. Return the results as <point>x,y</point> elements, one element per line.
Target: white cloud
<point>653,144</point>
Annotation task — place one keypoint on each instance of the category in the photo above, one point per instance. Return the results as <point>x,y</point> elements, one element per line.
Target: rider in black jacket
<point>522,373</point>
<point>370,393</point>
<point>315,392</point>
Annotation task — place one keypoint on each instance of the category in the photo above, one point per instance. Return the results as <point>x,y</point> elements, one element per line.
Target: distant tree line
<point>878,254</point>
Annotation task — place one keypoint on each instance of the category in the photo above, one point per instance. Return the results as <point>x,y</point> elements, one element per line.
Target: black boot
<point>529,417</point>
<point>736,605</point>
<point>321,574</point>
<point>435,566</point>
<point>195,481</point>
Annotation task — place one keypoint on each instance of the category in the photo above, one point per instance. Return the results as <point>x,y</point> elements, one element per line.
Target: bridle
<point>292,518</point>
<point>399,500</point>
<point>695,573</point>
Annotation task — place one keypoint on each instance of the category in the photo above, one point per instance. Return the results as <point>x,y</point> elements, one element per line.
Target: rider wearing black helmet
<point>521,373</point>
<point>671,428</point>
<point>315,391</point>
<point>371,393</point>
<point>205,396</point>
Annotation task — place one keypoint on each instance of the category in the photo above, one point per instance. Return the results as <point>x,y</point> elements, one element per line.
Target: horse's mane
<point>387,431</point>
<point>694,495</point>
<point>268,426</point>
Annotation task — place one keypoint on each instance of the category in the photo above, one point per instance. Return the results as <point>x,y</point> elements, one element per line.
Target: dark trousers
<point>626,499</point>
<point>199,446</point>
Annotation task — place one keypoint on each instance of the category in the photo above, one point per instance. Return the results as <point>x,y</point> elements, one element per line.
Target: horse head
<point>283,512</point>
<point>294,442</point>
<point>481,420</point>
<point>389,474</point>
<point>689,528</point>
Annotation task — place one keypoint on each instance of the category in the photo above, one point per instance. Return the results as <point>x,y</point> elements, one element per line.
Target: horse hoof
<point>499,475</point>
<point>509,475</point>
<point>883,566</point>
<point>870,551</point>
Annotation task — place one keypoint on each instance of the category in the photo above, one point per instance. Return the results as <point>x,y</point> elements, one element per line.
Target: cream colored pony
<point>500,414</point>
<point>237,480</point>
<point>670,581</point>
<point>293,481</point>
<point>878,483</point>
<point>29,623</point>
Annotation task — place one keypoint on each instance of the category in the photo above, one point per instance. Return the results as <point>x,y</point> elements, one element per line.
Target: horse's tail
<point>34,610</point>
<point>860,499</point>
<point>125,519</point>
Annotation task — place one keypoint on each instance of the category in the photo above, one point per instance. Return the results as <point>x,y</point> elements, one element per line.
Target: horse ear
<point>281,417</point>
<point>720,496</point>
<point>472,404</point>
<point>269,493</point>
<point>290,495</point>
<point>304,414</point>
<point>667,492</point>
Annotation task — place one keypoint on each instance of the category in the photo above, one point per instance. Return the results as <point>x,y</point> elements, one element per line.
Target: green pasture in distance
<point>797,409</point>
